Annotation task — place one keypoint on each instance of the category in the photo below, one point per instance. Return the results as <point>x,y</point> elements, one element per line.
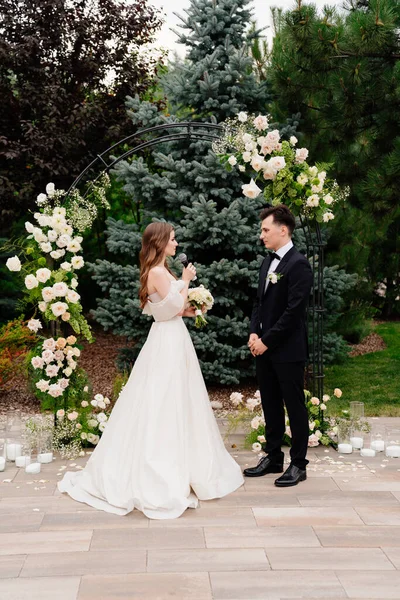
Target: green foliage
<point>342,70</point>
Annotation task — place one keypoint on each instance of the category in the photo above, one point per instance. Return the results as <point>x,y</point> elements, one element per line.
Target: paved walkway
<point>337,535</point>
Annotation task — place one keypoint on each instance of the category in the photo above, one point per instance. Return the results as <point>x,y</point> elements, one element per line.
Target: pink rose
<point>49,344</point>
<point>314,401</point>
<point>47,356</point>
<point>313,440</point>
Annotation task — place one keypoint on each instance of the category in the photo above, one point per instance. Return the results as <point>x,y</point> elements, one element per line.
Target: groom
<point>278,340</point>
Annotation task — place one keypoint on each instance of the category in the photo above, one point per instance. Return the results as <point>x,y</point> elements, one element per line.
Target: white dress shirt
<point>281,252</point>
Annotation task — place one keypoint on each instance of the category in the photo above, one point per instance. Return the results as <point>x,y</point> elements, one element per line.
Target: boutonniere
<point>274,277</point>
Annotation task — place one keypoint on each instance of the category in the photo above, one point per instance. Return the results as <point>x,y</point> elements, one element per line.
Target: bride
<point>161,450</point>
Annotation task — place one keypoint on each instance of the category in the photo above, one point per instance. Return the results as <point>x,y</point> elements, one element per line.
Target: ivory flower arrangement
<point>277,169</point>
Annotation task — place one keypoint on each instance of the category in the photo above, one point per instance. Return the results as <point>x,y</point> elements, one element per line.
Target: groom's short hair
<point>281,216</point>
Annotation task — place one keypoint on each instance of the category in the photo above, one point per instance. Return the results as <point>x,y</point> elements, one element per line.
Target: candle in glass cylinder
<point>45,457</point>
<point>378,445</point>
<point>345,448</point>
<point>22,461</point>
<point>367,452</point>
<point>393,451</point>
<point>14,450</point>
<point>357,442</point>
<point>33,468</point>
<point>2,463</point>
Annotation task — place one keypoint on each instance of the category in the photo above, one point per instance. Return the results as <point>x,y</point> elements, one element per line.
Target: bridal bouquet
<point>200,297</point>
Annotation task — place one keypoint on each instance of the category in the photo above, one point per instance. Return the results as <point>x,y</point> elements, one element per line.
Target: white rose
<point>92,423</point>
<point>43,275</point>
<point>66,266</point>
<point>83,435</point>
<point>277,163</point>
<point>77,262</point>
<point>302,179</point>
<point>328,199</point>
<point>67,372</point>
<point>102,426</point>
<point>74,246</point>
<point>39,236</point>
<point>273,277</point>
<point>323,406</point>
<point>52,370</point>
<point>260,122</point>
<point>47,356</point>
<point>269,173</point>
<point>59,308</point>
<point>318,434</point>
<point>73,296</point>
<point>42,385</point>
<point>316,188</point>
<point>301,155</point>
<point>59,211</point>
<point>60,413</point>
<point>261,439</point>
<point>337,392</point>
<point>328,216</point>
<point>250,146</point>
<point>63,240</point>
<point>101,417</point>
<point>326,398</point>
<point>84,403</point>
<point>74,283</point>
<point>293,140</point>
<point>52,235</point>
<point>246,156</point>
<point>242,168</point>
<point>46,247</point>
<point>242,117</point>
<point>34,325</point>
<point>43,220</point>
<point>99,397</point>
<point>232,160</point>
<point>60,288</point>
<point>42,306</point>
<point>56,254</point>
<point>246,137</point>
<point>256,447</point>
<point>257,162</point>
<point>48,294</point>
<point>29,227</point>
<point>41,199</point>
<point>54,390</point>
<point>13,264</point>
<point>50,189</point>
<point>37,362</point>
<point>313,171</point>
<point>31,282</point>
<point>93,402</point>
<point>251,190</point>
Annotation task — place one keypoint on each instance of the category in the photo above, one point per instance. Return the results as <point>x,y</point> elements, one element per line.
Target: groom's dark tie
<point>274,255</point>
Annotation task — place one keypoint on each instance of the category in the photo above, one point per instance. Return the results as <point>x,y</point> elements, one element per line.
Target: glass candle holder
<point>356,437</point>
<point>378,441</point>
<point>45,447</point>
<point>367,451</point>
<point>344,431</point>
<point>392,444</point>
<point>356,411</point>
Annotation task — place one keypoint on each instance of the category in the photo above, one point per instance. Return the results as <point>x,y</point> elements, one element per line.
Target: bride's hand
<point>189,272</point>
<point>190,311</point>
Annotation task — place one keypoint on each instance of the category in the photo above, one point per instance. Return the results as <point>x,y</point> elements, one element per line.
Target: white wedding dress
<point>161,450</point>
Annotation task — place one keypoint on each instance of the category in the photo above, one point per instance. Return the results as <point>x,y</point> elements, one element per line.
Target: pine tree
<point>342,71</point>
<point>185,184</point>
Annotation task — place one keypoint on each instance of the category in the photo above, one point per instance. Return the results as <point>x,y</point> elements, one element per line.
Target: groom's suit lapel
<point>263,274</point>
<point>279,268</point>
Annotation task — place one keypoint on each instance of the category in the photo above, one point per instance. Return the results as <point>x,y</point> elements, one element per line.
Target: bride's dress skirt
<point>161,450</point>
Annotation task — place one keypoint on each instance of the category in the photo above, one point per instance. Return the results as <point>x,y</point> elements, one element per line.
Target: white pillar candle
<point>393,451</point>
<point>22,461</point>
<point>378,445</point>
<point>45,457</point>
<point>345,448</point>
<point>14,450</point>
<point>2,463</point>
<point>357,442</point>
<point>33,468</point>
<point>367,452</point>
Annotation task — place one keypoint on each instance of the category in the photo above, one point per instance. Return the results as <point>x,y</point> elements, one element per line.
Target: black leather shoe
<point>265,466</point>
<point>292,476</point>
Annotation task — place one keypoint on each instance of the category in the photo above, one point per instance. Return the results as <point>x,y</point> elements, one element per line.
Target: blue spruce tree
<point>185,184</point>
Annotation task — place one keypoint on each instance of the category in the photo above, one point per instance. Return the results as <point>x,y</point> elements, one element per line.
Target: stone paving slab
<point>336,535</point>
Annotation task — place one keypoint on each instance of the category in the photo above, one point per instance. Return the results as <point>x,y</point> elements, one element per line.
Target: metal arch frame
<point>315,246</point>
<point>190,133</point>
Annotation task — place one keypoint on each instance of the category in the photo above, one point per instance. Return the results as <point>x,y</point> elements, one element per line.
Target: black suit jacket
<point>279,314</point>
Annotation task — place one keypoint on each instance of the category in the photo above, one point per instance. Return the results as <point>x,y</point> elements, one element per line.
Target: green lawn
<point>373,378</point>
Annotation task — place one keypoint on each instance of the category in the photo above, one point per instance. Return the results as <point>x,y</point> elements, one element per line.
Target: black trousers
<point>283,384</point>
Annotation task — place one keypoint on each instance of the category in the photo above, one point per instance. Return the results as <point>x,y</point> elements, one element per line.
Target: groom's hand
<point>257,347</point>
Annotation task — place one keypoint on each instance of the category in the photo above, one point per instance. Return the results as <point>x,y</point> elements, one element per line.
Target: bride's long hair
<point>154,241</point>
